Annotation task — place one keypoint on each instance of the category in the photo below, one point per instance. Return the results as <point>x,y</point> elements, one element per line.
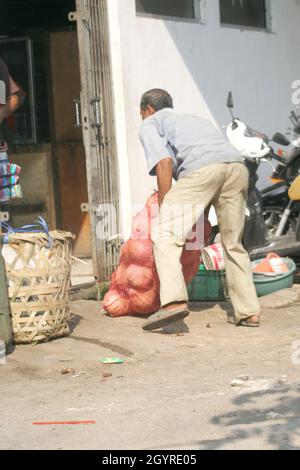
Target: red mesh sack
<point>135,284</point>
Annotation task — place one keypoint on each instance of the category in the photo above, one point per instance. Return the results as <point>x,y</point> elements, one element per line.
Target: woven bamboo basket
<point>39,280</point>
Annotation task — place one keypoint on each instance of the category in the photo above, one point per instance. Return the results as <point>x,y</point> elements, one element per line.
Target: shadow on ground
<point>74,322</point>
<point>276,424</point>
<point>226,307</point>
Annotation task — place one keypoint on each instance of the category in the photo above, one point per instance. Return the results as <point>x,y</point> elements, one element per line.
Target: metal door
<point>95,114</point>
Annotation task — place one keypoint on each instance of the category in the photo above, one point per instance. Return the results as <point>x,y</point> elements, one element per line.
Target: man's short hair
<point>157,98</point>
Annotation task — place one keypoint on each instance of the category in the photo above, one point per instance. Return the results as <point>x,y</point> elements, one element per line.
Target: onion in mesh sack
<point>121,279</point>
<point>144,302</point>
<point>141,252</point>
<point>116,304</point>
<point>140,277</point>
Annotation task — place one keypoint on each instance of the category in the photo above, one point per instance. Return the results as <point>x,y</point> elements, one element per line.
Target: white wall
<point>198,64</point>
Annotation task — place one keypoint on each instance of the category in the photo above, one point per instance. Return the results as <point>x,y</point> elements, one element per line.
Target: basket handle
<point>39,226</point>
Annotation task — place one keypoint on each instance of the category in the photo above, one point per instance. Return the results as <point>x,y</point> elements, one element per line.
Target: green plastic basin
<point>266,285</point>
<point>207,286</point>
<point>210,286</point>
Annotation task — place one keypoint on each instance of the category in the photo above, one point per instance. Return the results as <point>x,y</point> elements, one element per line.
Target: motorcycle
<point>255,147</point>
<point>275,197</point>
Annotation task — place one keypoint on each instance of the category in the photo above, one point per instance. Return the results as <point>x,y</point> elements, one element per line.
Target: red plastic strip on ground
<point>50,423</point>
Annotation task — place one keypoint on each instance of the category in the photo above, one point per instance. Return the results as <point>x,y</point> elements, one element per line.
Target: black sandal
<point>163,318</point>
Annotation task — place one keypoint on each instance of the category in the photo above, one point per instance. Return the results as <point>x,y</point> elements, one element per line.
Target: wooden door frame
<point>89,12</point>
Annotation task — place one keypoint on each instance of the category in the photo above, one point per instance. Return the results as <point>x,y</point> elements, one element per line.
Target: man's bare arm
<point>164,173</point>
<point>13,103</point>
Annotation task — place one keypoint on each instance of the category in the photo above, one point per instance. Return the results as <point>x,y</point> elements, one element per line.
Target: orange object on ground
<point>277,264</point>
<point>263,267</point>
<point>135,284</point>
<point>273,263</point>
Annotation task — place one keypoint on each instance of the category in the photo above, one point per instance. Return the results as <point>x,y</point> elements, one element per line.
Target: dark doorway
<point>56,77</point>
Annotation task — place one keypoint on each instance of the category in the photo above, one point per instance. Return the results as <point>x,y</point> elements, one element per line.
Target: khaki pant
<point>225,186</point>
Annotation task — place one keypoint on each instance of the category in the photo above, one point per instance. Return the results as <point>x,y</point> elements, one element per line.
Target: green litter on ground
<point>112,360</point>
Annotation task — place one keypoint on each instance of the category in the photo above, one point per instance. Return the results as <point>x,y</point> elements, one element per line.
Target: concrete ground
<point>216,387</point>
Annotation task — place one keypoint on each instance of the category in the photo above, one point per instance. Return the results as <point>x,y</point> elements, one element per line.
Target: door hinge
<point>85,207</point>
<point>96,105</point>
<point>78,16</point>
<point>78,122</point>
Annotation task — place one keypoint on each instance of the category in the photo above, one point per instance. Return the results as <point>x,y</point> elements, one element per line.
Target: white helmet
<point>249,143</point>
